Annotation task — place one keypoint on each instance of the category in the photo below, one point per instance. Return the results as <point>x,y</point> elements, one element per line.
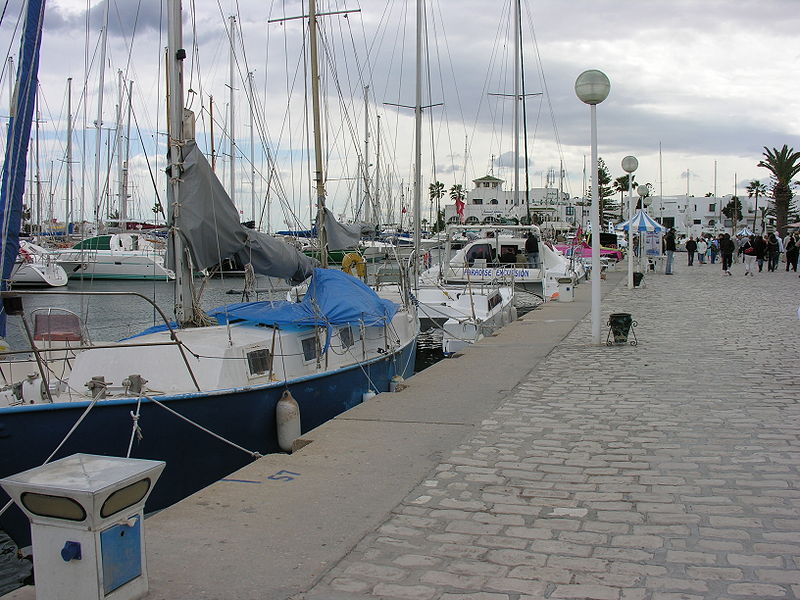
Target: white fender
<point>287,421</point>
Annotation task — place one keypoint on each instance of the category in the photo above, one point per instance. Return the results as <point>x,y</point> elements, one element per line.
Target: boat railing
<point>13,305</point>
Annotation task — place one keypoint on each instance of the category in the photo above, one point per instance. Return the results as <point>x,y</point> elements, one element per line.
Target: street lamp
<point>645,200</point>
<point>629,165</point>
<point>592,87</point>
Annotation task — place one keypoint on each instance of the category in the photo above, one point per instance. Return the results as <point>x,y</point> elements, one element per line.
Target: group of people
<point>755,250</point>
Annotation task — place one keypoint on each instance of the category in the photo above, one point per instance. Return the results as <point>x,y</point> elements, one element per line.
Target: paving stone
<point>657,472</point>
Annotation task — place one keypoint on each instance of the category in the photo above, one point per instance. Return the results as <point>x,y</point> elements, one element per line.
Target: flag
<point>460,209</point>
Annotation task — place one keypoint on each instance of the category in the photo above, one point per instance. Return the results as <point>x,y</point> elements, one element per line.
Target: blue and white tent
<point>744,231</point>
<point>641,221</point>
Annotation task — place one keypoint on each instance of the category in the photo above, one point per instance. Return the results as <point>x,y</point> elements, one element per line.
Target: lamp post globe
<point>630,164</point>
<point>643,190</point>
<point>592,86</point>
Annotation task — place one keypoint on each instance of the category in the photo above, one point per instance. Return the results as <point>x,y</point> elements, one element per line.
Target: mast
<point>16,150</point>
<point>418,144</point>
<point>232,124</point>
<point>319,179</point>
<point>516,100</point>
<point>120,145</point>
<point>252,152</point>
<point>367,198</point>
<point>211,118</point>
<point>38,169</point>
<point>175,57</point>
<point>378,172</point>
<point>69,158</point>
<point>98,124</point>
<point>123,206</point>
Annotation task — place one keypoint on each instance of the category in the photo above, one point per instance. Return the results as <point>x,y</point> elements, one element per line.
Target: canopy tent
<point>744,231</point>
<point>641,221</point>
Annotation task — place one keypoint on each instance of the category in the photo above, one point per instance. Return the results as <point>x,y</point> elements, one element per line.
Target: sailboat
<point>465,312</point>
<point>203,391</point>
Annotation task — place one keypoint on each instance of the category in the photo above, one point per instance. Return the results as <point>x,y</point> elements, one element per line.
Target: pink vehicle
<point>584,250</point>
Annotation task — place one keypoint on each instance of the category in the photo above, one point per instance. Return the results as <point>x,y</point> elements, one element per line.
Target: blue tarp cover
<point>333,298</point>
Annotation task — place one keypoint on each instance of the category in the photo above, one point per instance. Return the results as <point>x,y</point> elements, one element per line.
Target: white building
<point>488,203</point>
<point>692,215</point>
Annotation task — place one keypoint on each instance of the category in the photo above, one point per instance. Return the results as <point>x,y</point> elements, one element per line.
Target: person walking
<point>781,248</point>
<point>748,250</point>
<point>702,248</point>
<point>792,252</point>
<point>669,250</point>
<point>726,248</point>
<point>773,252</point>
<point>761,251</point>
<point>532,250</point>
<point>691,248</point>
<point>713,246</point>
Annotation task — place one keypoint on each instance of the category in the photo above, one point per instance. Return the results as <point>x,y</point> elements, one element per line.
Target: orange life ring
<point>354,259</point>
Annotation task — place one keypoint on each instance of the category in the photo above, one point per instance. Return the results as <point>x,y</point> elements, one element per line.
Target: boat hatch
<point>259,362</point>
<point>494,300</point>
<point>57,327</point>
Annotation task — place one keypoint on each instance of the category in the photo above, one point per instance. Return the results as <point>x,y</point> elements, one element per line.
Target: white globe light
<point>643,190</point>
<point>630,164</point>
<point>592,86</point>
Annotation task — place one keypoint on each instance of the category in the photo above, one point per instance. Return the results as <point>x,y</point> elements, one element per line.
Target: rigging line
<point>3,14</point>
<point>454,87</point>
<point>546,90</point>
<point>13,35</point>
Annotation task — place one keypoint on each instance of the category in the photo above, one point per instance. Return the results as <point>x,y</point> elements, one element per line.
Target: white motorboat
<point>500,256</point>
<point>36,266</point>
<point>115,256</point>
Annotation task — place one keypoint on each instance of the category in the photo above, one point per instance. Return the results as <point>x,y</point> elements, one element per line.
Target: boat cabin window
<point>346,336</point>
<point>311,348</point>
<point>508,253</point>
<point>259,362</point>
<point>479,251</point>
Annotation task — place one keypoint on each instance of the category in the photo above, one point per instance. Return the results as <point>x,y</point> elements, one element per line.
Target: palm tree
<point>436,193</point>
<point>756,188</point>
<point>621,186</point>
<point>783,165</point>
<point>457,192</point>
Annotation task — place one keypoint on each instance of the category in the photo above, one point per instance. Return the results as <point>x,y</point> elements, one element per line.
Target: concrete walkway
<point>536,466</point>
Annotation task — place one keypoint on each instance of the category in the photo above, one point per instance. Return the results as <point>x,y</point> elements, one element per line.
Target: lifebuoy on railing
<point>354,259</point>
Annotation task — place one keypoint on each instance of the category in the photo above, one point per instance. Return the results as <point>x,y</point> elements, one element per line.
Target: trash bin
<point>620,324</point>
<point>566,289</point>
<point>86,514</point>
<point>637,278</point>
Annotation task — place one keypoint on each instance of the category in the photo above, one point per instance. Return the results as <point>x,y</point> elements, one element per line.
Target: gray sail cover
<point>210,227</point>
<point>341,236</point>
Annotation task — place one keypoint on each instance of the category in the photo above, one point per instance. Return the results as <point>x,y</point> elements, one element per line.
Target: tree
<point>436,193</point>
<point>607,207</point>
<point>733,210</point>
<point>621,186</point>
<point>439,225</point>
<point>783,165</point>
<point>756,188</point>
<point>457,192</point>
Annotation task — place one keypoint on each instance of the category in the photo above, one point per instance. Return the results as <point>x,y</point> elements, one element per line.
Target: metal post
<point>595,222</point>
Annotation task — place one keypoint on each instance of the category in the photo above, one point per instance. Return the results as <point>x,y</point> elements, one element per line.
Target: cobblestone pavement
<point>665,471</point>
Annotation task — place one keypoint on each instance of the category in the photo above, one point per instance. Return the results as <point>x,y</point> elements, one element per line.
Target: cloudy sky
<point>710,83</point>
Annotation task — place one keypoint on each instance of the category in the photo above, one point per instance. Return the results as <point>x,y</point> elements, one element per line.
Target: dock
<point>535,465</point>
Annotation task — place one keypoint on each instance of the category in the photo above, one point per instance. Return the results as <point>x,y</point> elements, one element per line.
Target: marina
<point>564,470</point>
<point>319,365</point>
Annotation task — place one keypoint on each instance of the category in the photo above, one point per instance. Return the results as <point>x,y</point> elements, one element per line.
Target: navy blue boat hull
<point>194,458</point>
